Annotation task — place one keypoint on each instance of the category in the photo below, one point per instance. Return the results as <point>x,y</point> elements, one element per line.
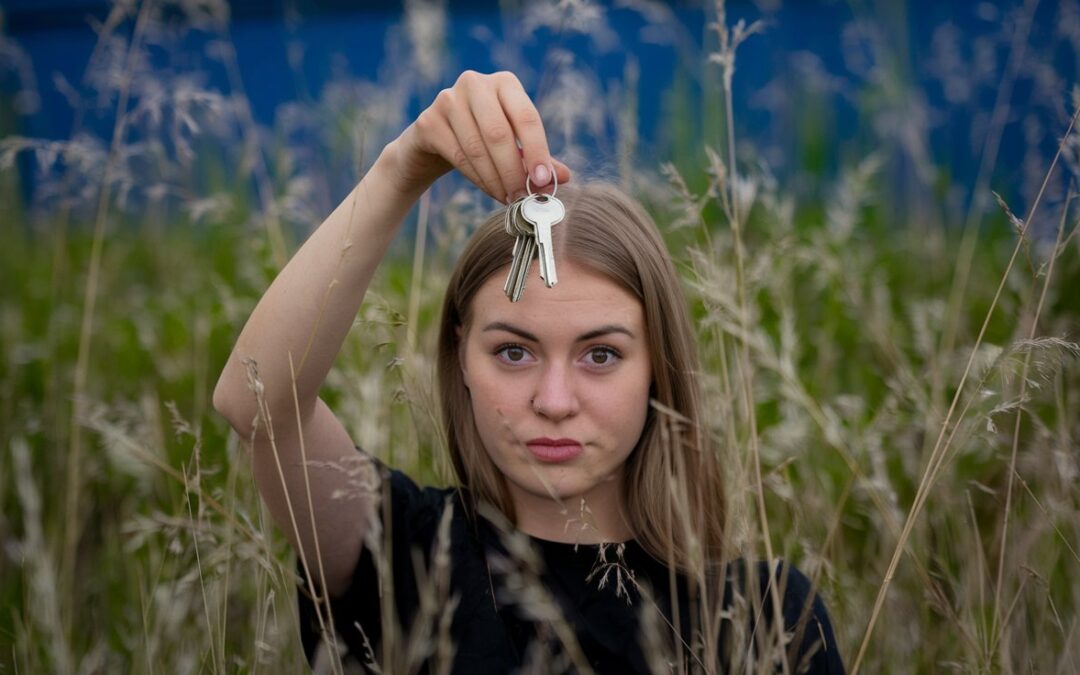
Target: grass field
<point>915,381</point>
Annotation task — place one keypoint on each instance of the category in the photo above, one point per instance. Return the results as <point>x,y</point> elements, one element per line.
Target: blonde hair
<point>672,488</point>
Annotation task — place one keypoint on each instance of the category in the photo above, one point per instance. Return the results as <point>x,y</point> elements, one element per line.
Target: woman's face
<point>559,383</point>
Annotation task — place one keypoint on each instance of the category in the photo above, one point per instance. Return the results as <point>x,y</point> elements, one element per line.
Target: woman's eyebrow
<point>510,328</point>
<point>600,331</point>
<point>605,330</point>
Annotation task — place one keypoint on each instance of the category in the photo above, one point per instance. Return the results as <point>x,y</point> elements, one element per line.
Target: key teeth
<point>528,250</point>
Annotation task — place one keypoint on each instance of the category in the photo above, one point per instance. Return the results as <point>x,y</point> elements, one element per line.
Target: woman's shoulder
<point>406,502</point>
<point>805,618</point>
<point>405,533</point>
<point>764,575</point>
<point>753,591</point>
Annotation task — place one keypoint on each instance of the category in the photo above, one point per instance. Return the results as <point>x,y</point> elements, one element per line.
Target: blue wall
<point>807,45</point>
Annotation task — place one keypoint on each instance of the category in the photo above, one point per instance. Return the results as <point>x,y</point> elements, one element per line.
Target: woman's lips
<point>554,450</point>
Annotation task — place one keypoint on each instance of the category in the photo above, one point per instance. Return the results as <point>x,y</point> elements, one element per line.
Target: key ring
<point>554,177</point>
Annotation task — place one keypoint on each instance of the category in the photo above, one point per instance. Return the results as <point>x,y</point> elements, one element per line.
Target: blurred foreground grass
<point>854,333</point>
<point>177,569</point>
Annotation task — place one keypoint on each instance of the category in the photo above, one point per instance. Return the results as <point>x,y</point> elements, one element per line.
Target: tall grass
<point>893,378</point>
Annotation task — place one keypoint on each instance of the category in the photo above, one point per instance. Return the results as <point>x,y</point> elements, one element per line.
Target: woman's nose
<point>555,397</point>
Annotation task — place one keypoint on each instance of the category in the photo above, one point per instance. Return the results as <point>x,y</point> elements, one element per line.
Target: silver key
<point>544,212</point>
<point>524,249</point>
<point>518,266</point>
<point>508,218</point>
<point>528,250</point>
<point>511,278</point>
<point>511,229</point>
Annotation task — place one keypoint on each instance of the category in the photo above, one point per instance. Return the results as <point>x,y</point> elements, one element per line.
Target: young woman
<point>588,529</point>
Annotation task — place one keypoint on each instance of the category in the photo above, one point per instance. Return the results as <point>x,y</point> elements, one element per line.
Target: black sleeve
<point>414,517</point>
<point>814,649</point>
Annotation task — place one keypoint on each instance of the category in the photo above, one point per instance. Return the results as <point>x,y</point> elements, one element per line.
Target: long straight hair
<point>672,489</point>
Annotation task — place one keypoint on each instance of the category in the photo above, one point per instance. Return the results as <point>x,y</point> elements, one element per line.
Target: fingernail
<point>541,175</point>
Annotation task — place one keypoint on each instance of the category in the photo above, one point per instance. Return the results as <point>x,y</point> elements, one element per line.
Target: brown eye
<point>602,356</point>
<point>513,354</point>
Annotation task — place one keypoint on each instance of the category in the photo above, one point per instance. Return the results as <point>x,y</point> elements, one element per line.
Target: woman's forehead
<point>581,301</point>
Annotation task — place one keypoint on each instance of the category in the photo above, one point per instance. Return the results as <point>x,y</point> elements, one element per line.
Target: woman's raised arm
<point>305,315</point>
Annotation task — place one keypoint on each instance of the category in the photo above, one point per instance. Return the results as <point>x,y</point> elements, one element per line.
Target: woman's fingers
<point>487,127</point>
<point>507,125</point>
<point>528,128</point>
<point>473,149</point>
<point>563,171</point>
<point>496,124</point>
<point>446,145</point>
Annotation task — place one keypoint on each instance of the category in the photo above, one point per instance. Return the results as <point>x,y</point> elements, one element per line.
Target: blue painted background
<point>350,39</point>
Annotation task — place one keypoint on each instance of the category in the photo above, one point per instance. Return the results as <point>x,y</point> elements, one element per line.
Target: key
<point>528,250</point>
<point>524,248</point>
<point>543,212</point>
<point>512,228</point>
<point>508,218</point>
<point>511,278</point>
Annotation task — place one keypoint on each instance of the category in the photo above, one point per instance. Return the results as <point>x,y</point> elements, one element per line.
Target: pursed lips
<point>553,442</point>
<point>554,450</point>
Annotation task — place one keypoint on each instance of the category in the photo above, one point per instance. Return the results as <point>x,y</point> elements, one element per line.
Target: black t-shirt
<point>607,605</point>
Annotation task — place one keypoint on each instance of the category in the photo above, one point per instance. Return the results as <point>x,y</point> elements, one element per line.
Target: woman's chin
<point>565,490</point>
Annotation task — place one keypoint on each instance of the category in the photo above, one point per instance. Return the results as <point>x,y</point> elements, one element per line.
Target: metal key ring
<point>554,177</point>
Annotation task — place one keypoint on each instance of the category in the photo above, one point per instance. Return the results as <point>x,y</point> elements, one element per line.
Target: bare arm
<point>297,329</point>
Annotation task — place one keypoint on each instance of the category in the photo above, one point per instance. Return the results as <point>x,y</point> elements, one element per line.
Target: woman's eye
<point>512,353</point>
<point>602,356</point>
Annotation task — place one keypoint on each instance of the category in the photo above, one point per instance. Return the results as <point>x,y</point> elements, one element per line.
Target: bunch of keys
<point>530,220</point>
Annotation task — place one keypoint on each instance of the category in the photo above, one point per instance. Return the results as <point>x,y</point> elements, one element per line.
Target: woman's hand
<point>472,127</point>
